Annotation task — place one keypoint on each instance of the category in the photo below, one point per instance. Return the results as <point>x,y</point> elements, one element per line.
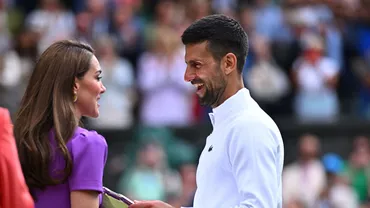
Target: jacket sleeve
<point>13,189</point>
<point>254,154</point>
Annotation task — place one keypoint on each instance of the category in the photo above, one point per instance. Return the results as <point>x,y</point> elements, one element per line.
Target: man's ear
<point>230,63</point>
<point>76,86</point>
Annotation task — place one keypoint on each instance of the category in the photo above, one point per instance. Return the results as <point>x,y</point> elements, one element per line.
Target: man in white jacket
<point>242,162</point>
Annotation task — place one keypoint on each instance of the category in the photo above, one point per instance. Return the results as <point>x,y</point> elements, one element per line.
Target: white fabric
<point>245,165</point>
<point>343,196</point>
<point>267,82</point>
<point>313,77</point>
<point>15,69</point>
<point>315,100</point>
<point>303,183</point>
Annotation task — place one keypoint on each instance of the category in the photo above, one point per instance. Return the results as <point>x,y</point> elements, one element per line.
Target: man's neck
<point>231,89</point>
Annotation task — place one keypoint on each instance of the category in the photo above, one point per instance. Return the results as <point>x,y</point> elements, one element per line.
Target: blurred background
<point>308,67</point>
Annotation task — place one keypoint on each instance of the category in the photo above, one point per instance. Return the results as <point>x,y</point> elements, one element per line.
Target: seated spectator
<point>357,168</point>
<point>337,192</point>
<point>304,180</point>
<point>150,178</point>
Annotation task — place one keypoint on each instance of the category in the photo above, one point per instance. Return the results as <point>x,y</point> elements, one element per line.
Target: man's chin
<point>202,102</point>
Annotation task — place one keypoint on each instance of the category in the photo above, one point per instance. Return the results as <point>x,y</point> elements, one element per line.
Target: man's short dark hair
<point>224,35</point>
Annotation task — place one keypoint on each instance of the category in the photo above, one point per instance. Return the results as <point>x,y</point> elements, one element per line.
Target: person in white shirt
<point>241,164</point>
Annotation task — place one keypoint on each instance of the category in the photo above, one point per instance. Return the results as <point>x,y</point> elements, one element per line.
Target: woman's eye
<point>99,78</point>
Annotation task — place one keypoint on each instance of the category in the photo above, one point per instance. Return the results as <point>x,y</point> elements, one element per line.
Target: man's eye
<point>99,78</point>
<point>197,66</point>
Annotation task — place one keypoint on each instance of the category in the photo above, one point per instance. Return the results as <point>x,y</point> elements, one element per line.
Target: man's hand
<point>150,204</point>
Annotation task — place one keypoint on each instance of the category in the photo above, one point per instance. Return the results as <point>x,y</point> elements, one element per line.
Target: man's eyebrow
<point>193,62</point>
<point>98,72</point>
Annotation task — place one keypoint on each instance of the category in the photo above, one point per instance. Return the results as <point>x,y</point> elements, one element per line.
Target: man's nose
<point>189,75</point>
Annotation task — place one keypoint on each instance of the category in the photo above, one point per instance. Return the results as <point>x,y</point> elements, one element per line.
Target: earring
<point>74,97</point>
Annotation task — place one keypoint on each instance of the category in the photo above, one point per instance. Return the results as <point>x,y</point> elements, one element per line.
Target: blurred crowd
<point>308,59</point>
<point>326,180</point>
<point>315,179</point>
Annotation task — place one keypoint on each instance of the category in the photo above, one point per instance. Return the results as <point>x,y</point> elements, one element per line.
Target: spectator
<point>357,168</point>
<point>84,27</point>
<point>269,20</point>
<point>152,168</point>
<point>315,77</point>
<point>127,29</point>
<point>160,79</point>
<point>337,192</point>
<point>266,81</point>
<point>52,22</point>
<point>16,69</point>
<point>98,10</point>
<point>118,76</point>
<point>304,180</point>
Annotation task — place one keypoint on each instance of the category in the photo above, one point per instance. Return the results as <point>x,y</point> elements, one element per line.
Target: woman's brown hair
<point>48,105</point>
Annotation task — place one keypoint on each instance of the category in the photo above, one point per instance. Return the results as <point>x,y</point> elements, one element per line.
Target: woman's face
<point>88,90</point>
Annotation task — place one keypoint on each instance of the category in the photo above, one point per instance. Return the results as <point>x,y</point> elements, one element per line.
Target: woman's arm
<point>84,199</point>
<point>89,153</point>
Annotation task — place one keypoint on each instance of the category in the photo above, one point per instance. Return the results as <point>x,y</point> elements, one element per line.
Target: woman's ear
<point>76,86</point>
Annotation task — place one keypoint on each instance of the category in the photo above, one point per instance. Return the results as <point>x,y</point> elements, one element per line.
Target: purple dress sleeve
<point>89,154</point>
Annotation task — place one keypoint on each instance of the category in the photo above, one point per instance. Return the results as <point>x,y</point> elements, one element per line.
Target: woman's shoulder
<point>83,137</point>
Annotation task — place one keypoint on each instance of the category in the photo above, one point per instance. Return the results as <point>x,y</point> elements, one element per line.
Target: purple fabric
<point>89,153</point>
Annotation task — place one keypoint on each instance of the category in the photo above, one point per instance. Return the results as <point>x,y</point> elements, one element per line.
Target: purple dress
<point>89,151</point>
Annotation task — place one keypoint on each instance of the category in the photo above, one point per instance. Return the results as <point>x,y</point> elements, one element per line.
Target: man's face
<point>309,147</point>
<point>205,73</point>
<point>312,55</point>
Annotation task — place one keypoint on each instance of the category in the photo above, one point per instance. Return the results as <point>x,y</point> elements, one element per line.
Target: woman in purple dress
<point>63,163</point>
